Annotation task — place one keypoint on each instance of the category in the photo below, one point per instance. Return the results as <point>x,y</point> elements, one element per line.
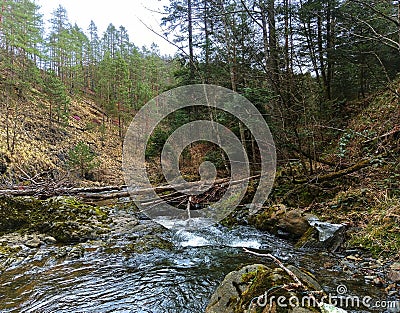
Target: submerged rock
<point>146,243</point>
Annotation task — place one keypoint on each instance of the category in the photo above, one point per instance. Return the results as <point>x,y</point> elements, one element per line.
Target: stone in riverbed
<point>63,218</point>
<point>282,221</point>
<point>49,240</point>
<point>322,236</point>
<point>248,289</point>
<point>146,243</point>
<point>394,273</point>
<point>33,243</point>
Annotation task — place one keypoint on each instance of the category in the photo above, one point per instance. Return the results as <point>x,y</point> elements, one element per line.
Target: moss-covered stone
<point>253,288</point>
<point>6,250</point>
<point>282,221</point>
<point>64,218</point>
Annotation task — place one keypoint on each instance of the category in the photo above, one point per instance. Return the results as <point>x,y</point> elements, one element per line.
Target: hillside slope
<point>37,148</point>
<point>359,185</point>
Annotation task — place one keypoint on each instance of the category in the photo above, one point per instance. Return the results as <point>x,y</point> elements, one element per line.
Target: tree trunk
<point>190,33</point>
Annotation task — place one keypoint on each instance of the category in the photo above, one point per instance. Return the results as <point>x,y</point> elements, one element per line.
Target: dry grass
<point>42,146</point>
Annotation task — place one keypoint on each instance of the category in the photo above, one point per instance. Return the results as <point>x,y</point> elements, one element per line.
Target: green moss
<point>7,250</point>
<point>308,236</point>
<point>248,277</point>
<point>381,232</point>
<point>64,218</point>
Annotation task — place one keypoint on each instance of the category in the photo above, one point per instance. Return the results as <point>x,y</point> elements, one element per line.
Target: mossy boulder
<point>256,288</point>
<point>282,221</point>
<point>64,218</point>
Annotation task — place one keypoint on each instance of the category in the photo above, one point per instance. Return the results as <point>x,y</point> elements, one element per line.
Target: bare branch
<point>387,17</point>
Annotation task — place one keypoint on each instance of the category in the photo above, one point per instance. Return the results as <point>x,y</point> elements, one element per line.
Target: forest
<point>308,66</point>
<point>324,75</point>
<point>299,62</point>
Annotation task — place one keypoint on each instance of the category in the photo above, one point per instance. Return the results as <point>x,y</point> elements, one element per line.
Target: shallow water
<point>105,279</point>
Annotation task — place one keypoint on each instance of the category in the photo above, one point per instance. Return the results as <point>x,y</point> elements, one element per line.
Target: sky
<point>127,13</point>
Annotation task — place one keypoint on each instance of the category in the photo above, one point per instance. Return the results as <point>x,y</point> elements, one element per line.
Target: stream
<point>102,277</point>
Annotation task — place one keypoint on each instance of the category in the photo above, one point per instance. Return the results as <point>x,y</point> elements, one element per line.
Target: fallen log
<point>182,188</point>
<point>394,132</point>
<point>330,176</point>
<point>113,192</point>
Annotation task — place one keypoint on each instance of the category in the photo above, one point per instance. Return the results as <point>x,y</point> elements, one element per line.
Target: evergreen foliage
<point>82,159</point>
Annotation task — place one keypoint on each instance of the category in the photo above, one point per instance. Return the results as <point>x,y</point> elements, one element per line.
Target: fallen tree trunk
<point>46,191</point>
<point>112,192</point>
<point>330,176</point>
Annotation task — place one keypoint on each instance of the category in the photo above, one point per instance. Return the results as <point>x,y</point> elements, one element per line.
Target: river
<point>104,277</point>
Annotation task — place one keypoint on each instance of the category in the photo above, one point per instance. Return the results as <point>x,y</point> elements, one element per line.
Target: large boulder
<point>63,218</point>
<point>322,236</point>
<point>256,288</point>
<point>282,221</point>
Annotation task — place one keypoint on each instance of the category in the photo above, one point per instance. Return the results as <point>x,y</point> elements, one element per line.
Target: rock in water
<point>231,289</point>
<point>329,308</point>
<point>255,288</point>
<point>33,243</point>
<point>322,236</point>
<point>282,221</point>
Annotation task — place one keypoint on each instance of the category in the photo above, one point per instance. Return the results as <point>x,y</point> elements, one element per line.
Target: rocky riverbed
<point>52,252</point>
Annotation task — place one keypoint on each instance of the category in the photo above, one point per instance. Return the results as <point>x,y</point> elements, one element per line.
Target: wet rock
<point>33,243</point>
<point>76,252</point>
<point>65,219</point>
<point>49,240</point>
<point>228,294</point>
<point>61,253</point>
<point>322,236</point>
<point>282,221</point>
<point>246,290</point>
<point>146,243</point>
<point>394,273</point>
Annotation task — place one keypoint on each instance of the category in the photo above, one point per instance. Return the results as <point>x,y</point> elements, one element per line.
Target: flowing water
<point>105,279</point>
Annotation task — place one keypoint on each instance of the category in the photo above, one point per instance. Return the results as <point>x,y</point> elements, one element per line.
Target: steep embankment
<point>35,147</point>
<point>357,183</point>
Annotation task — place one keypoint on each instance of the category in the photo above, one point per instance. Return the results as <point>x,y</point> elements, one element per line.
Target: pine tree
<point>58,99</point>
<point>21,28</point>
<point>58,42</point>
